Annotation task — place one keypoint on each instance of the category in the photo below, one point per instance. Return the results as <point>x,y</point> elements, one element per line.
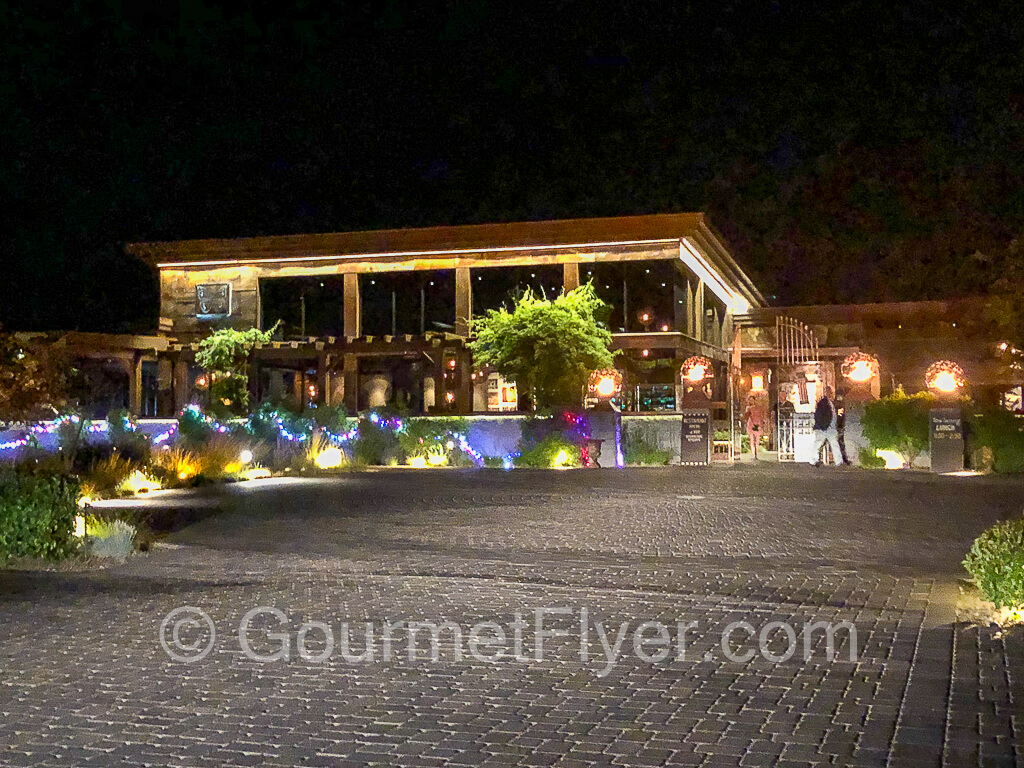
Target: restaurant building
<point>372,318</point>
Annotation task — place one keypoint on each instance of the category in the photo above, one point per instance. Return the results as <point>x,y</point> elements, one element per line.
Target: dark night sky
<point>848,151</point>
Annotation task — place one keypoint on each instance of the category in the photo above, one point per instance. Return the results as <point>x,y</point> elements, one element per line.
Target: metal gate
<point>796,346</point>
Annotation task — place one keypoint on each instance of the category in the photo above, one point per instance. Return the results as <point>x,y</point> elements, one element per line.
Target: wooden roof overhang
<point>467,245</point>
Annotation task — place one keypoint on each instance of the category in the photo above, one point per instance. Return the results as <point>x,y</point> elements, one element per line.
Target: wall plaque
<point>695,442</point>
<point>213,300</point>
<point>946,440</point>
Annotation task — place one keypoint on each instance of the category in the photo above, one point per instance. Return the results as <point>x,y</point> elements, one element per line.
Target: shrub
<point>1002,433</point>
<point>434,440</point>
<point>126,438</point>
<point>193,427</point>
<point>72,432</point>
<point>377,442</point>
<point>331,417</point>
<point>553,451</point>
<point>996,561</point>
<point>640,446</point>
<point>868,458</point>
<point>899,422</point>
<point>37,516</point>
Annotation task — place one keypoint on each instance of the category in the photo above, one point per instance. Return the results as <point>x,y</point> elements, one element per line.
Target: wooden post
<point>179,384</point>
<point>254,383</point>
<point>135,385</point>
<point>323,379</point>
<point>570,276</point>
<point>463,301</point>
<point>350,371</point>
<point>698,306</point>
<point>353,308</point>
<point>440,401</point>
<point>464,394</point>
<point>691,313</point>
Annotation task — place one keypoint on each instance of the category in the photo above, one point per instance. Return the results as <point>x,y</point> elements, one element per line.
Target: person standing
<point>754,417</point>
<point>825,428</point>
<point>840,406</point>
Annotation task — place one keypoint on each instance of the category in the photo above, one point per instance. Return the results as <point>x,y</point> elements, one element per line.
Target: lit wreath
<point>945,376</point>
<point>860,367</point>
<point>697,369</point>
<point>606,384</point>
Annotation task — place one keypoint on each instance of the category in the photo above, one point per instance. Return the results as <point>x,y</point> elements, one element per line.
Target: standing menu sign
<point>946,434</point>
<point>695,442</point>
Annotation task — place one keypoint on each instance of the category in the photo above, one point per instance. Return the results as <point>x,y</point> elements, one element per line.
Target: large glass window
<point>494,287</point>
<point>397,303</point>
<point>643,295</point>
<point>306,306</point>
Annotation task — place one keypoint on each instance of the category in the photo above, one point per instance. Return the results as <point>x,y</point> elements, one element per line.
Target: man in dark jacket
<point>825,427</point>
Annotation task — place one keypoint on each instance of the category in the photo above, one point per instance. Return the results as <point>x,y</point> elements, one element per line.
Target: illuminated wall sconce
<point>860,367</point>
<point>697,369</point>
<point>945,376</point>
<point>605,384</point>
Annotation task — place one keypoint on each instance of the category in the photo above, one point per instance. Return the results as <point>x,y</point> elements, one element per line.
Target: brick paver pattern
<point>84,680</point>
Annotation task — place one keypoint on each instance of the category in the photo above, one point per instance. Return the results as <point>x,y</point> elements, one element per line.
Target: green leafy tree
<point>1006,307</point>
<point>225,355</point>
<point>899,422</point>
<point>33,380</point>
<point>549,347</point>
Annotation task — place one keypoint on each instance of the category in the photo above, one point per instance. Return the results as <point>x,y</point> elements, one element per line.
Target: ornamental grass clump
<point>996,561</point>
<point>110,538</point>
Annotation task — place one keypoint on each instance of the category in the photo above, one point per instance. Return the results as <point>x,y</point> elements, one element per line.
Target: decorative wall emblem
<point>213,300</point>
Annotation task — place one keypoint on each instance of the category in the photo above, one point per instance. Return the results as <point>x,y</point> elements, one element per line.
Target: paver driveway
<point>84,679</point>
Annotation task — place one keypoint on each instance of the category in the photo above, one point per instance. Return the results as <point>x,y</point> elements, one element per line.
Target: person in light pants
<point>825,428</point>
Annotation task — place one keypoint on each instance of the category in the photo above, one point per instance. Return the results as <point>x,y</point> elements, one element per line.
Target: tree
<point>1006,307</point>
<point>549,347</point>
<point>33,379</point>
<point>224,355</point>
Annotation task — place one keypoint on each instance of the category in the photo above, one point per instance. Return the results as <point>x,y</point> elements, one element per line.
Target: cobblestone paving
<point>84,680</point>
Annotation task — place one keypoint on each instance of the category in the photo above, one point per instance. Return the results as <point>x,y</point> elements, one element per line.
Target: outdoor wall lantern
<point>945,376</point>
<point>697,369</point>
<point>860,367</point>
<point>202,382</point>
<point>605,384</point>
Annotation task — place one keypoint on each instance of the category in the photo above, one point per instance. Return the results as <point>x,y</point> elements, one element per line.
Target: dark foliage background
<point>847,150</point>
